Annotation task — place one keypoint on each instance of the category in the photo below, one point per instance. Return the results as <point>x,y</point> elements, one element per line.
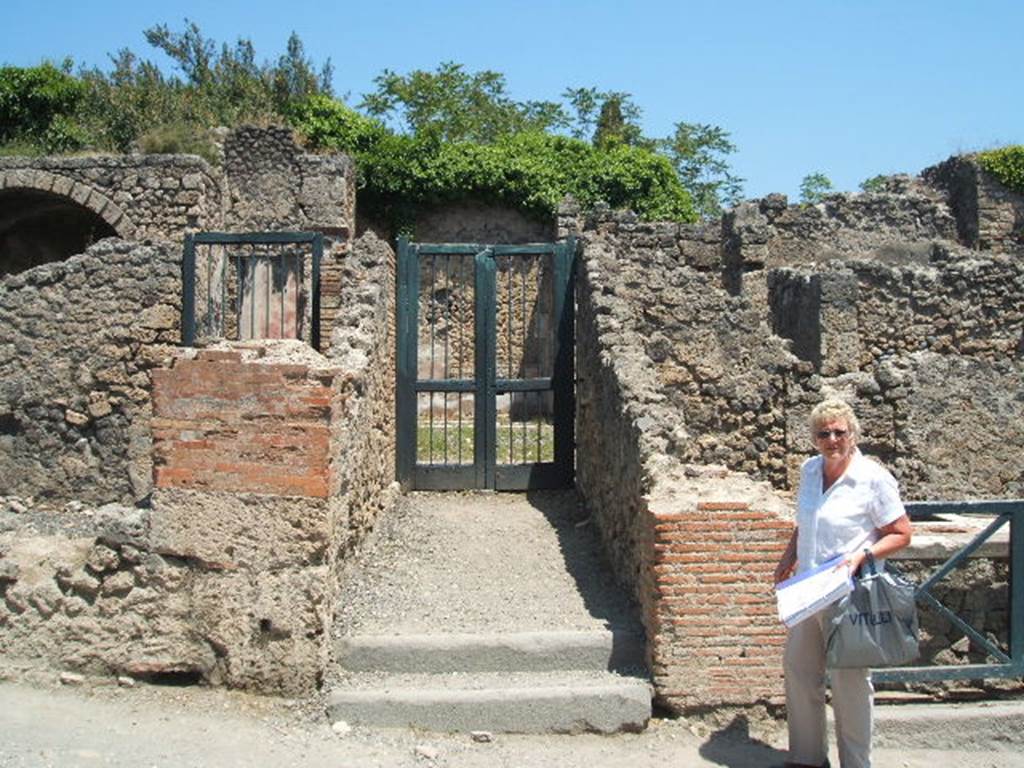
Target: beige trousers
<point>852,698</point>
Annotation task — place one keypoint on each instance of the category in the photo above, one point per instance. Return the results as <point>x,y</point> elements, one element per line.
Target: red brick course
<point>224,424</point>
<point>715,638</point>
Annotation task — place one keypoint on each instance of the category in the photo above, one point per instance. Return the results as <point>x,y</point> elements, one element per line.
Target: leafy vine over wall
<point>1007,165</point>
<point>532,171</point>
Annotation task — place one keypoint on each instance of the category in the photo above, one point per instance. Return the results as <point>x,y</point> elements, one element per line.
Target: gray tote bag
<point>876,624</point>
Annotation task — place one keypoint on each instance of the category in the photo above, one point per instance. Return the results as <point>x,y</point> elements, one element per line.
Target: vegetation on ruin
<point>36,109</point>
<point>875,183</point>
<point>420,138</point>
<point>1007,165</point>
<point>530,170</point>
<point>814,187</point>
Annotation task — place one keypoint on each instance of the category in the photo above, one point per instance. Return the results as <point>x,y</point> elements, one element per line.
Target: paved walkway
<point>541,540</point>
<point>149,727</point>
<point>483,562</point>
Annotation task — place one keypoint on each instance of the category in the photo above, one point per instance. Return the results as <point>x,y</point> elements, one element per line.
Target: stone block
<point>271,629</point>
<point>249,531</point>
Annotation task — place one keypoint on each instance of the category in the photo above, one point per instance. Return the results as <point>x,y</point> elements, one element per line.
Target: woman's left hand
<point>891,538</point>
<point>853,562</point>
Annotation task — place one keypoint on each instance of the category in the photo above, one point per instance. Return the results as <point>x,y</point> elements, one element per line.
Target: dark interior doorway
<point>38,227</point>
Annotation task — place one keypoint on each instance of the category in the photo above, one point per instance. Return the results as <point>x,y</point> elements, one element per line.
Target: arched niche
<point>37,227</point>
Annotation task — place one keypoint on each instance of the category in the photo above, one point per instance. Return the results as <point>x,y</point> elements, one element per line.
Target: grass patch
<point>518,442</point>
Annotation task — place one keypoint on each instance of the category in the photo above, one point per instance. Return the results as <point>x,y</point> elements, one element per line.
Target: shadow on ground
<point>735,747</point>
<point>585,559</point>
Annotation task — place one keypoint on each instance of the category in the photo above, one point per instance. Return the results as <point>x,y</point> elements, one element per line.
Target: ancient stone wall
<point>265,183</point>
<point>475,222</point>
<point>142,197</point>
<point>271,185</point>
<point>695,559</point>
<point>978,593</point>
<point>223,425</point>
<point>684,366</point>
<point>85,332</point>
<point>229,573</point>
<point>363,425</point>
<point>713,628</point>
<point>80,340</point>
<point>742,356</point>
<point>695,544</point>
<point>989,217</point>
<point>613,388</point>
<point>110,591</point>
<point>892,226</point>
<point>845,316</point>
<point>83,591</point>
<point>242,471</point>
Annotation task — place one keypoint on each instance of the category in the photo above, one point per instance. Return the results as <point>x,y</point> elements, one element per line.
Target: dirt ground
<point>156,727</point>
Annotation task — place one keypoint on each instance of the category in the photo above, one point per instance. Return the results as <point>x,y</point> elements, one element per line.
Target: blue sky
<point>848,88</point>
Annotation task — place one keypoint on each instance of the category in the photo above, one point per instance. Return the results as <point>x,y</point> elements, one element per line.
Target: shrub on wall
<point>34,106</point>
<point>532,171</point>
<point>178,139</point>
<point>1007,165</point>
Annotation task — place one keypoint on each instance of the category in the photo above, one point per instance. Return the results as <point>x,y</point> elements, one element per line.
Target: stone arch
<point>47,217</point>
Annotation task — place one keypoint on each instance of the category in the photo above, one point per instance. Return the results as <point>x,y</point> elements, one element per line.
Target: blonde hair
<point>834,409</point>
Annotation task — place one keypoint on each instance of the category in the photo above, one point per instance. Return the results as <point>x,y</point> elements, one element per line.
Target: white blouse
<point>847,516</point>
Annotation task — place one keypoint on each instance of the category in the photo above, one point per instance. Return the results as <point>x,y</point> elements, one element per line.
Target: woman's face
<point>834,439</point>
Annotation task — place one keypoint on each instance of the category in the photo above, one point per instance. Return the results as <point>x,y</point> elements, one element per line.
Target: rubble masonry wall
<point>687,378</point>
<point>81,338</point>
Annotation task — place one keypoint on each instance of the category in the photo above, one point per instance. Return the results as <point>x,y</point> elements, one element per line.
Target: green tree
<point>814,187</point>
<point>132,98</point>
<point>460,133</point>
<point>698,152</point>
<point>135,105</point>
<point>35,105</point>
<point>530,170</point>
<point>587,104</point>
<point>874,184</point>
<point>295,77</point>
<point>451,104</point>
<point>615,126</point>
<point>1006,164</point>
<point>228,85</point>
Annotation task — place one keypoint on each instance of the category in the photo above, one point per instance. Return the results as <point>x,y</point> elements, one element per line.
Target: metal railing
<point>217,284</point>
<point>1009,661</point>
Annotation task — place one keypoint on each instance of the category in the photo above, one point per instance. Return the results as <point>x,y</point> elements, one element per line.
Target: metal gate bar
<point>244,274</point>
<point>446,356</point>
<point>1009,663</point>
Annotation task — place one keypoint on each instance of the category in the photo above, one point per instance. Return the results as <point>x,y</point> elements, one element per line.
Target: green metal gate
<point>485,366</point>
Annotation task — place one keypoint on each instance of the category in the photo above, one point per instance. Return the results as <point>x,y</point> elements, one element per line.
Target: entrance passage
<point>485,366</point>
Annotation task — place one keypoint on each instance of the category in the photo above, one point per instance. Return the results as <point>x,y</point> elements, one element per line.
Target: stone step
<point>496,702</point>
<point>621,650</point>
<point>946,726</point>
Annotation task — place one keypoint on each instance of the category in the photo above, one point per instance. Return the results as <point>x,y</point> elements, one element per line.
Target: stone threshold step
<point>972,725</point>
<point>500,704</point>
<point>511,652</point>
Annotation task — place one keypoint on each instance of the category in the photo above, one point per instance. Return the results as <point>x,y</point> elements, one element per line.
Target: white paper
<point>806,594</point>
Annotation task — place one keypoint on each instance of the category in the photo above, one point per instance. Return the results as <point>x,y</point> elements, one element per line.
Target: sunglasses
<point>838,434</point>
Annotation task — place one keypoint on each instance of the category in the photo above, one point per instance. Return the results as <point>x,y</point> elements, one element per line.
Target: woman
<point>847,505</point>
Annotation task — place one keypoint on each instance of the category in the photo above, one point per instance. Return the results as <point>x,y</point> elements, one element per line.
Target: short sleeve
<point>887,507</point>
<point>804,493</point>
